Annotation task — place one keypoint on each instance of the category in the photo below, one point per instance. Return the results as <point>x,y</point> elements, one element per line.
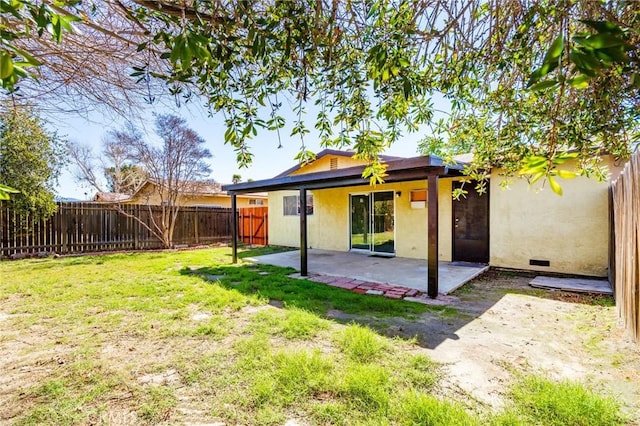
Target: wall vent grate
<point>538,262</point>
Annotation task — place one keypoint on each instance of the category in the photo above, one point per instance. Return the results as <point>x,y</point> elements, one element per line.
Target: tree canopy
<point>30,160</point>
<point>530,84</point>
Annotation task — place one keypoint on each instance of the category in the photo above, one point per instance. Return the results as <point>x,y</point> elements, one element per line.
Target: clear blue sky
<point>268,159</point>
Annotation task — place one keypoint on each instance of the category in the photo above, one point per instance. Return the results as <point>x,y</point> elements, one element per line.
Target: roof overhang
<point>401,170</point>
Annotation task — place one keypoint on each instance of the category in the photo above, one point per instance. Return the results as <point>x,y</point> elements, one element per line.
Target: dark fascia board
<point>401,170</point>
<point>329,151</point>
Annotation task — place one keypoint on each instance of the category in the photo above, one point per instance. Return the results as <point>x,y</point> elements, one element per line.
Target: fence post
<point>195,225</point>
<point>64,235</point>
<point>251,229</point>
<point>136,227</point>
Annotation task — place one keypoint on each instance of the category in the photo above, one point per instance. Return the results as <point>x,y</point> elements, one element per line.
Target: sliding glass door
<point>360,222</point>
<point>383,219</point>
<point>372,222</point>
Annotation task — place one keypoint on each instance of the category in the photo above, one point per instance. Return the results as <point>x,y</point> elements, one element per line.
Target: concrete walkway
<point>395,271</point>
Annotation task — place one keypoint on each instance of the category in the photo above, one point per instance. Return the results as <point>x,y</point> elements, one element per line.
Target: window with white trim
<point>291,205</point>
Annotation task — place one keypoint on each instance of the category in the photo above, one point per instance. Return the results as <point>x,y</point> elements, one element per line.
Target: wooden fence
<point>253,225</point>
<point>625,252</point>
<point>91,227</point>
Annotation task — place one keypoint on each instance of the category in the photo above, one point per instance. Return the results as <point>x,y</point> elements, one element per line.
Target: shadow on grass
<point>245,252</point>
<point>272,283</point>
<point>428,324</point>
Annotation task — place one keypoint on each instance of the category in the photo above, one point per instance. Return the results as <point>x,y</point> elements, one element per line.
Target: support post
<point>432,237</point>
<point>303,232</point>
<point>234,229</point>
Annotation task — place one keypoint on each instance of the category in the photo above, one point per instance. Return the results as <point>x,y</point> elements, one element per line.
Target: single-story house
<point>201,194</point>
<point>414,215</point>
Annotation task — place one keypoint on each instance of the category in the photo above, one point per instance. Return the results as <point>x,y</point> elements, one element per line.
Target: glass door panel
<point>360,222</point>
<point>383,222</point>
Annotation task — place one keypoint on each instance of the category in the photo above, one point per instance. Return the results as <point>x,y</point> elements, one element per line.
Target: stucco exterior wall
<point>525,223</point>
<point>570,231</point>
<point>328,227</point>
<point>285,230</point>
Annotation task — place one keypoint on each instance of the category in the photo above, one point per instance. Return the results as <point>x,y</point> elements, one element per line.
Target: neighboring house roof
<point>111,197</point>
<point>325,152</point>
<point>187,188</point>
<point>196,188</point>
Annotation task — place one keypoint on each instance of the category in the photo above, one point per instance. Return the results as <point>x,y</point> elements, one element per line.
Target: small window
<point>291,205</point>
<point>333,163</point>
<point>256,202</point>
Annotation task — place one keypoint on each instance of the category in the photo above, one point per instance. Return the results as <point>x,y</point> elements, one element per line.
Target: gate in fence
<point>253,225</point>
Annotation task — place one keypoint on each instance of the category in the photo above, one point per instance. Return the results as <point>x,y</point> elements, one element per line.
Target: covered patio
<point>424,168</point>
<point>396,271</point>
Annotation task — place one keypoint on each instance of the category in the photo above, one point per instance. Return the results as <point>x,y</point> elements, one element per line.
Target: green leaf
<point>564,157</point>
<point>554,185</point>
<point>587,63</point>
<point>603,40</point>
<point>6,66</point>
<point>617,54</point>
<point>543,85</point>
<point>6,190</point>
<point>27,56</point>
<point>602,26</point>
<point>533,165</point>
<point>536,177</point>
<point>555,50</point>
<point>566,174</point>
<point>580,82</point>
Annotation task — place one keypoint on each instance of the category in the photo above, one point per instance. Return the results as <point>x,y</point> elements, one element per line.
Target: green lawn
<point>175,337</point>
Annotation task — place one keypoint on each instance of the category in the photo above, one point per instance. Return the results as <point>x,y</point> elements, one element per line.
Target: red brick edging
<point>362,287</point>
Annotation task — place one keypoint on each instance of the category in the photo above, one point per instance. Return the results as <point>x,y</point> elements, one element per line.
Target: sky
<point>269,160</point>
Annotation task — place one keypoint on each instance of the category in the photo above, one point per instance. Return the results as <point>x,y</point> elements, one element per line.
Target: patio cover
<point>430,168</point>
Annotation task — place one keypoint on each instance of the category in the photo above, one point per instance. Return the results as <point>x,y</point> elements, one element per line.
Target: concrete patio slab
<point>580,285</point>
<point>411,273</point>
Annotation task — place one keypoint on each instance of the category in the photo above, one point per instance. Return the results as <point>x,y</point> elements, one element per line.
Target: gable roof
<point>398,170</point>
<point>326,152</point>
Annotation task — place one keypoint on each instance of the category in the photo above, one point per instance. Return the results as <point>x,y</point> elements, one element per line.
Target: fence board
<point>625,261</point>
<point>90,227</point>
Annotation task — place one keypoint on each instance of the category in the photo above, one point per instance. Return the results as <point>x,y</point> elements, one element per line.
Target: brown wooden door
<point>471,226</point>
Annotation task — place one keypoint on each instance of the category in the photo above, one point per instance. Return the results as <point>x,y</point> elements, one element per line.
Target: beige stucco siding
<point>328,227</point>
<point>570,231</point>
<point>323,164</point>
<point>285,230</point>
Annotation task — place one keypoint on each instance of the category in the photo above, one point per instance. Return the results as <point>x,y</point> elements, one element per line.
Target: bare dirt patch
<point>504,328</point>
